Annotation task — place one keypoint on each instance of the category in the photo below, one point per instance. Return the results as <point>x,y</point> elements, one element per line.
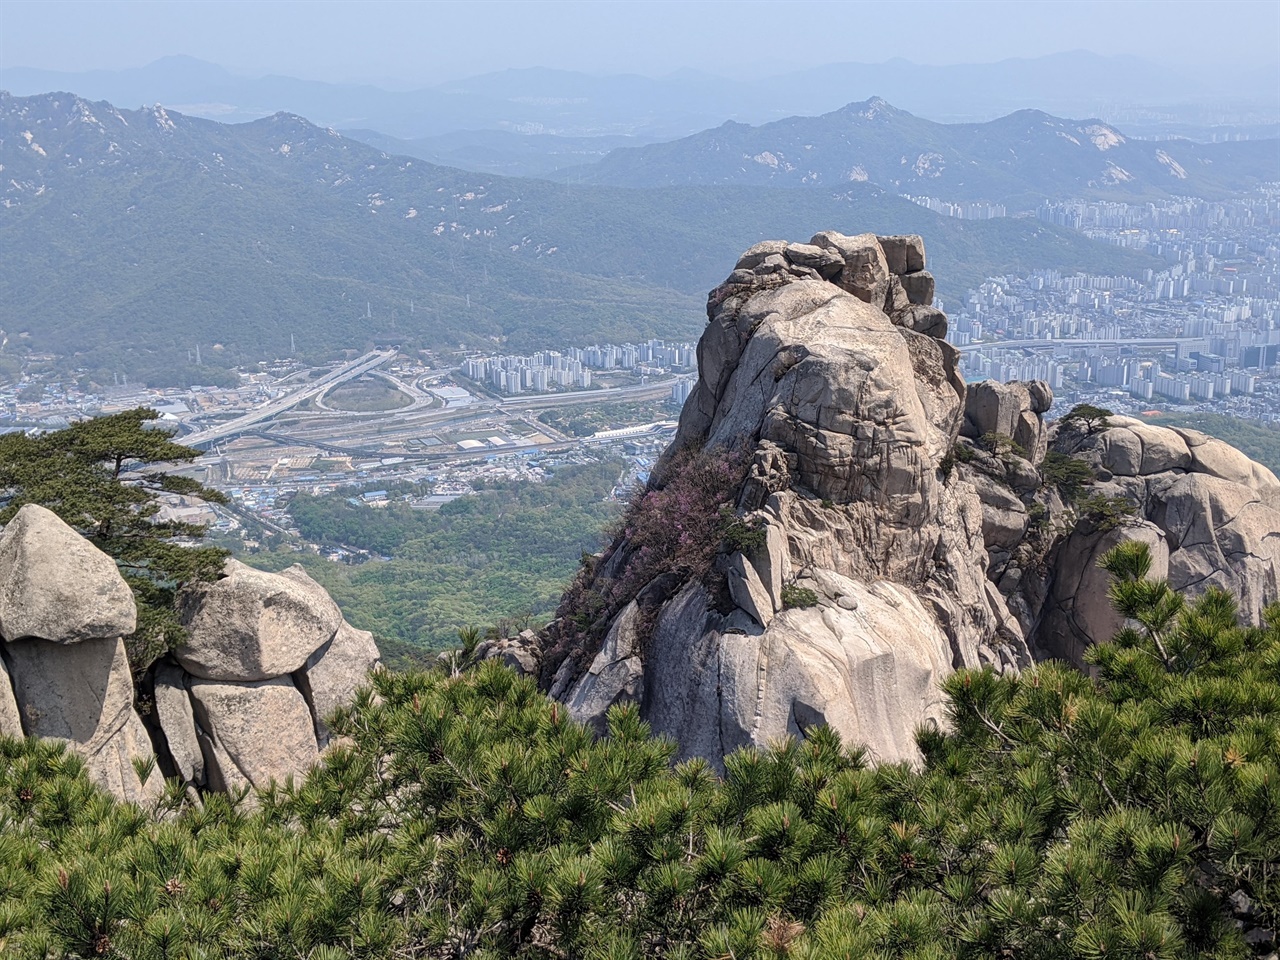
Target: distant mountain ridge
<point>132,236</point>
<point>1019,159</point>
<point>567,103</point>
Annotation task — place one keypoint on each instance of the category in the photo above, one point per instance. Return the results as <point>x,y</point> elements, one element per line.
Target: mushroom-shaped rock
<point>251,625</point>
<point>253,733</point>
<point>83,694</point>
<point>56,585</point>
<point>332,674</point>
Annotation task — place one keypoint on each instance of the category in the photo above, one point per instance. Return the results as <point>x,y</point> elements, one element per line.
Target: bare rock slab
<point>252,625</point>
<point>177,720</point>
<point>254,732</point>
<point>55,585</point>
<point>332,674</point>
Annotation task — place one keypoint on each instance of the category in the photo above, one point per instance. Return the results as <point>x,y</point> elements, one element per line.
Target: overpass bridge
<point>348,371</point>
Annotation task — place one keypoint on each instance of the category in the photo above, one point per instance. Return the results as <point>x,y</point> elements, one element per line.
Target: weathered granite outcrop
<point>268,660</point>
<point>1211,515</point>
<point>906,524</point>
<point>814,369</point>
<point>243,702</point>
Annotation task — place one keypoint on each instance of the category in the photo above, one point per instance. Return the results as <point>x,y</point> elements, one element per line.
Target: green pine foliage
<point>1058,816</point>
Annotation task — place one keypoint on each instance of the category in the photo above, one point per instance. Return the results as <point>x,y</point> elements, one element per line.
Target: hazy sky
<point>413,42</point>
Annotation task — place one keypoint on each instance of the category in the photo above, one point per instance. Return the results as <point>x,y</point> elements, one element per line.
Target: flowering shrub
<point>676,528</point>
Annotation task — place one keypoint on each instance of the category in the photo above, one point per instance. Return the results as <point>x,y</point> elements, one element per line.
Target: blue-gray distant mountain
<point>1018,160</point>
<point>129,237</point>
<point>572,104</point>
<point>500,151</point>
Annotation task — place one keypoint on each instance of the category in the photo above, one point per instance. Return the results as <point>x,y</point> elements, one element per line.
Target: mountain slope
<point>131,236</point>
<point>1018,160</point>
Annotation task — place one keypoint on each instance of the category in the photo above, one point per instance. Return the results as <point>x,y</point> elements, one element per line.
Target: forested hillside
<point>503,555</point>
<point>132,236</point>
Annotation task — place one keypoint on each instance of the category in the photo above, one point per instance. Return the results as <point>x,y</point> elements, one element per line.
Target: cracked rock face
<point>812,367</point>
<point>905,528</point>
<point>1210,514</point>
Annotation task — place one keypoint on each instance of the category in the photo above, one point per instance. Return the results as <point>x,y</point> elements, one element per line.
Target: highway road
<point>347,371</point>
<point>1077,344</point>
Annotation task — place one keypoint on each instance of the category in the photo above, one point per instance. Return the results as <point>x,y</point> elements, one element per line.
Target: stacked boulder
<point>64,609</point>
<point>241,703</point>
<point>269,656</point>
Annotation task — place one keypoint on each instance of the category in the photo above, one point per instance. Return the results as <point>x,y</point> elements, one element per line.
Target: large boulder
<point>1218,459</point>
<point>55,585</point>
<point>83,695</point>
<point>332,675</point>
<point>1131,448</point>
<point>251,625</point>
<point>253,733</point>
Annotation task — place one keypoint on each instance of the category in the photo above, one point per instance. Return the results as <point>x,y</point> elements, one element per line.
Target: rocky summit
<point>882,523</point>
<point>267,659</point>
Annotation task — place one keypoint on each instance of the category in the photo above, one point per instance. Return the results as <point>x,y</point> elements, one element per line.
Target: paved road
<point>1069,344</point>
<point>342,374</point>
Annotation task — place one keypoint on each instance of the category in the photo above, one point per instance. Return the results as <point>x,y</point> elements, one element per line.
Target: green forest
<point>1132,814</point>
<point>503,555</point>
